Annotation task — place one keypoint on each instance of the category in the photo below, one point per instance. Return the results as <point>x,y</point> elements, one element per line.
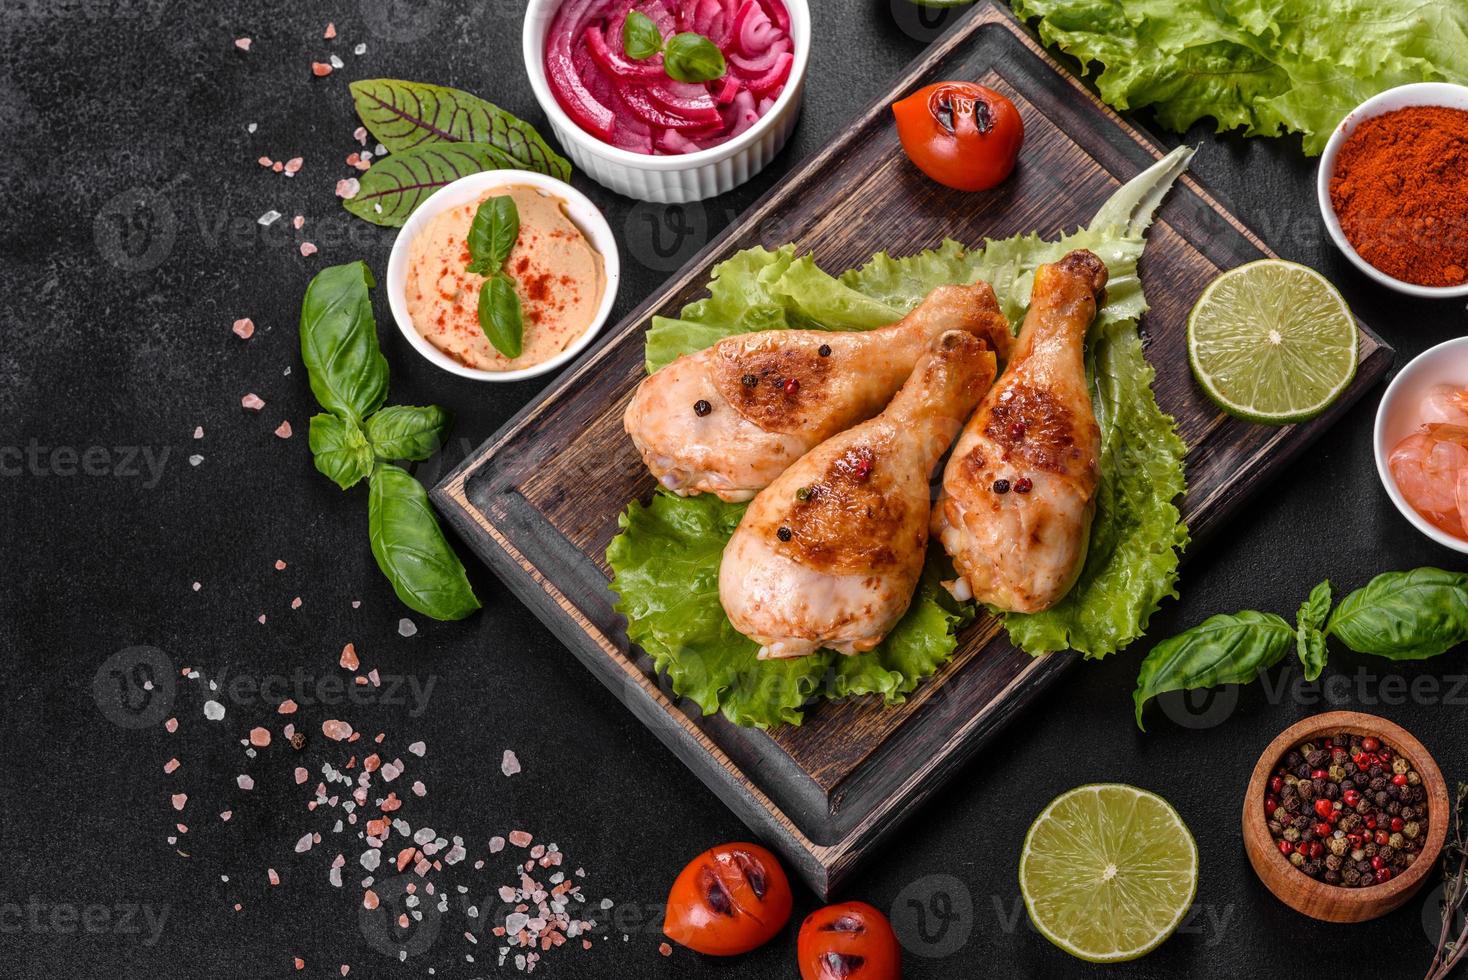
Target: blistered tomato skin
<point>962,135</point>
<point>850,941</point>
<point>729,900</point>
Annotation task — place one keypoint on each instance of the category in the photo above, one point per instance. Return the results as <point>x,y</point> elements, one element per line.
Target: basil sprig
<point>356,439</point>
<point>687,57</point>
<point>492,236</point>
<point>1399,615</point>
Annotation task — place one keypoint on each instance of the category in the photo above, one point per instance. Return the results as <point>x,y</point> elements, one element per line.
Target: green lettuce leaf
<point>1264,65</point>
<point>665,561</point>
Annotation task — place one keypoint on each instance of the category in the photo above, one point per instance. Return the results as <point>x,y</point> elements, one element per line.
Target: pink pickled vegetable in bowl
<point>636,103</point>
<point>669,100</point>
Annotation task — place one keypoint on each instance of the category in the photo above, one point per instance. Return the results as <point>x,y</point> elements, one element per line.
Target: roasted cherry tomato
<point>962,135</point>
<point>851,941</point>
<point>729,900</point>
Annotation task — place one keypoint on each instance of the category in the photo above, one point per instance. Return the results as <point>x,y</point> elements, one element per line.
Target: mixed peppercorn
<point>1347,811</point>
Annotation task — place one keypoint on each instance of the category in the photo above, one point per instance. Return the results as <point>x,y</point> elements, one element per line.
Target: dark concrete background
<point>130,193</point>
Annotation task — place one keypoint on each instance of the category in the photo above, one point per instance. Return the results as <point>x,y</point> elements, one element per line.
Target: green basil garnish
<point>1221,650</point>
<point>344,364</point>
<point>492,234</point>
<point>407,431</point>
<point>1405,615</point>
<point>340,449</point>
<point>641,38</point>
<point>500,317</point>
<point>410,548</point>
<point>692,57</point>
<point>1309,626</point>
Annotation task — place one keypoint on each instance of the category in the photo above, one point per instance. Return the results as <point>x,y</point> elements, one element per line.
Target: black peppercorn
<point>783,534</point>
<point>825,350</point>
<point>1023,485</point>
<point>749,380</point>
<point>702,408</point>
<point>1001,486</point>
<point>298,741</point>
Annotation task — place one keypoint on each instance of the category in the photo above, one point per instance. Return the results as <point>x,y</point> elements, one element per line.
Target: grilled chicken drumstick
<point>829,554</point>
<point>1019,491</point>
<point>729,419</point>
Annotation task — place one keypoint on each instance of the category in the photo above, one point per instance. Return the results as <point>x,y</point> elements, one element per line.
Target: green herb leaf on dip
<point>410,548</point>
<point>393,188</point>
<point>499,315</point>
<point>492,234</point>
<point>407,431</point>
<point>1220,650</point>
<point>1309,630</point>
<point>692,57</point>
<point>340,449</point>
<point>1405,615</point>
<point>344,363</point>
<point>406,115</point>
<point>641,38</point>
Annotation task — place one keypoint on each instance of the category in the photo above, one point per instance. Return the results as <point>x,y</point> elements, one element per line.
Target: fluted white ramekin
<point>683,177</point>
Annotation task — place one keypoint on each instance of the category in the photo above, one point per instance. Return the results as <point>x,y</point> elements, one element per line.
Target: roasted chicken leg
<point>829,554</point>
<point>729,419</point>
<point>1019,491</point>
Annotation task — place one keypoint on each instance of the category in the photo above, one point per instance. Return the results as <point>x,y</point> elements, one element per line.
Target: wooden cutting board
<point>539,501</point>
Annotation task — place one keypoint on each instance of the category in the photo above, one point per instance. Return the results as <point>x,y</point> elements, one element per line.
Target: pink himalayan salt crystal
<point>283,430</point>
<point>274,878</point>
<point>320,69</point>
<point>347,188</point>
<point>296,603</point>
<point>298,222</point>
<point>244,782</point>
<point>520,839</point>
<point>244,328</point>
<point>252,402</point>
<point>360,135</point>
<point>509,764</point>
<point>287,707</point>
<point>179,800</point>
<point>336,730</point>
<point>171,725</point>
<point>294,164</point>
<point>279,565</point>
<point>307,249</point>
<point>496,844</point>
<point>171,765</point>
<point>349,657</point>
<point>243,43</point>
<point>330,31</point>
<point>301,776</point>
<point>226,815</point>
<point>260,737</point>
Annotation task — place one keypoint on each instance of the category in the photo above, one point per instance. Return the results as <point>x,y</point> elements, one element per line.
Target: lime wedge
<point>1272,342</point>
<point>1108,872</point>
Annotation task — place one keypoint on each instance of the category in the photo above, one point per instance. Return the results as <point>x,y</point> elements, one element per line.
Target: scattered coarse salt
<point>347,188</point>
<point>244,328</point>
<point>300,963</point>
<point>213,710</point>
<point>304,844</point>
<point>665,949</point>
<point>197,586</point>
<point>171,725</point>
<point>180,800</point>
<point>307,249</point>
<point>336,62</point>
<point>296,603</point>
<point>301,776</point>
<point>252,127</point>
<point>330,31</point>
<point>496,844</point>
<point>336,730</point>
<point>261,619</point>
<point>520,838</point>
<point>260,737</point>
<point>293,165</point>
<point>274,878</point>
<point>195,459</point>
<point>268,218</point>
<point>320,69</point>
<point>283,430</point>
<point>198,432</point>
<point>349,657</point>
<point>509,764</point>
<point>244,782</point>
<point>419,789</point>
<point>406,627</point>
<point>225,815</point>
<point>171,766</point>
<point>287,707</point>
<point>360,49</point>
<point>243,43</point>
<point>279,565</point>
<point>252,402</point>
<point>418,748</point>
<point>360,135</point>
<point>299,221</point>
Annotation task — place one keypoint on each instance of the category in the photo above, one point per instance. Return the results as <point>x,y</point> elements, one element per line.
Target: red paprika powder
<point>1400,188</point>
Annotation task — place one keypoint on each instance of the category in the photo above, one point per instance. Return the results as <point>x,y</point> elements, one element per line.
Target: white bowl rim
<point>1415,93</point>
<point>1457,346</point>
<point>583,213</point>
<point>533,49</point>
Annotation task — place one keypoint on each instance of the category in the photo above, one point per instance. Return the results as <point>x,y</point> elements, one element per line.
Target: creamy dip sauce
<point>559,277</point>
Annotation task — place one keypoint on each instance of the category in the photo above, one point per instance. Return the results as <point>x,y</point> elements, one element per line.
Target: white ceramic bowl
<point>579,208</point>
<point>1397,418</point>
<point>683,177</point>
<point>1418,93</point>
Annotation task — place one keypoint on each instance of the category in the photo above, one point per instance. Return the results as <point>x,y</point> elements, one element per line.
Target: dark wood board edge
<point>824,867</point>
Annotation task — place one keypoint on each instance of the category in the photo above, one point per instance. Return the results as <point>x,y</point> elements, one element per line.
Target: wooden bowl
<point>1337,903</point>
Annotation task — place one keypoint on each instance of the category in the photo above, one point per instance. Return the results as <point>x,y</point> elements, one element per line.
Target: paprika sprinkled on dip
<point>559,277</point>
<point>1398,187</point>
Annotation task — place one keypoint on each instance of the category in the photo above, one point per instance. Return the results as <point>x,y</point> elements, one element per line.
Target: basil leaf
<point>339,449</point>
<point>641,38</point>
<point>410,548</point>
<point>347,371</point>
<point>1405,615</point>
<point>500,317</point>
<point>1310,644</point>
<point>692,57</point>
<point>492,234</point>
<point>406,115</point>
<point>1220,650</point>
<point>407,431</point>
<point>394,187</point>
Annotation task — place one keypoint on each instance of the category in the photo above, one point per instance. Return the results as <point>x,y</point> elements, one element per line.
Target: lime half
<point>1108,872</point>
<point>1272,342</point>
